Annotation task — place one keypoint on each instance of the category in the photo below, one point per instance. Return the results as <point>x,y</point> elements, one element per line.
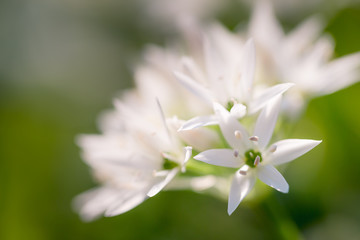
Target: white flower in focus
<point>252,154</point>
<point>302,57</point>
<point>227,78</point>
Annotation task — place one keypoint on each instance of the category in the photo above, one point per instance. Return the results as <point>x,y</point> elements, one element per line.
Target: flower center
<point>252,158</point>
<point>229,105</point>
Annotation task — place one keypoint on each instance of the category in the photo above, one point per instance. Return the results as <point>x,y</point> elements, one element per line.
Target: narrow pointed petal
<point>197,122</point>
<point>264,26</point>
<point>272,177</point>
<point>163,182</point>
<point>261,100</point>
<point>194,87</point>
<point>129,203</point>
<point>344,68</point>
<point>216,69</point>
<point>229,125</point>
<point>238,110</point>
<point>107,200</point>
<point>247,69</point>
<point>290,149</point>
<point>193,71</point>
<point>266,121</point>
<point>163,120</point>
<point>93,203</point>
<point>303,35</point>
<point>220,157</point>
<point>241,185</point>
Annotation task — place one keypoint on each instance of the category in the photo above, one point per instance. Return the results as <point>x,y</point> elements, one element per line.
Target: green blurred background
<point>62,62</point>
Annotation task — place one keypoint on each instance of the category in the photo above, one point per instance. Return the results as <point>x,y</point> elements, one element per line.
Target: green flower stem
<point>197,168</point>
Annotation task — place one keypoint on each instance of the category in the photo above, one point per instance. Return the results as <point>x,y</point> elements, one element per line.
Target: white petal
<point>220,157</point>
<point>95,202</point>
<point>228,125</point>
<point>193,71</point>
<point>262,99</point>
<point>194,183</point>
<point>238,110</point>
<point>201,138</point>
<point>339,74</point>
<point>163,120</point>
<point>248,69</point>
<point>264,26</point>
<point>241,185</point>
<point>194,87</point>
<point>302,36</point>
<point>129,203</point>
<point>266,121</point>
<point>162,182</point>
<point>272,177</point>
<point>215,63</point>
<point>290,149</point>
<point>200,121</point>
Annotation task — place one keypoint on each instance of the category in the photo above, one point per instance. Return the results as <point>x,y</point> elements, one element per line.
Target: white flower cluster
<point>194,111</point>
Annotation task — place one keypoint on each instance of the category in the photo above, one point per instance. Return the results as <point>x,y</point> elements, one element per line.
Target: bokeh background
<point>62,62</point>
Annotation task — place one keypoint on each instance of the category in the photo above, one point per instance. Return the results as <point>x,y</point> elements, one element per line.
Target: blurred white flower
<point>139,151</point>
<point>227,78</point>
<point>303,57</point>
<point>251,154</point>
<point>132,165</point>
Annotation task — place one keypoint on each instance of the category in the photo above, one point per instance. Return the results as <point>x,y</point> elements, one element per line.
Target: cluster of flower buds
<point>205,118</point>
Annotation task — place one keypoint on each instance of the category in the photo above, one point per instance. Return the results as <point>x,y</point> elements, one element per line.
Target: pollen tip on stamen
<point>238,134</point>
<point>254,138</point>
<point>242,172</point>
<point>236,153</point>
<point>273,148</point>
<point>188,148</point>
<point>257,160</point>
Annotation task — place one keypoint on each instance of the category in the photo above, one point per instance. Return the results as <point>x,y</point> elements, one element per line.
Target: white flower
<point>302,57</point>
<point>132,164</point>
<point>154,79</point>
<point>251,153</point>
<point>227,78</point>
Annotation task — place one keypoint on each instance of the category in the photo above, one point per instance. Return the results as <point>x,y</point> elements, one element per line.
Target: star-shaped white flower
<point>252,154</point>
<point>227,78</point>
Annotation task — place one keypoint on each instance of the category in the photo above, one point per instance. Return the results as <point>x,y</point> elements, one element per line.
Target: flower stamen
<point>254,138</point>
<point>238,134</point>
<point>236,153</point>
<point>252,158</point>
<point>257,160</point>
<point>273,148</point>
<point>242,172</point>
